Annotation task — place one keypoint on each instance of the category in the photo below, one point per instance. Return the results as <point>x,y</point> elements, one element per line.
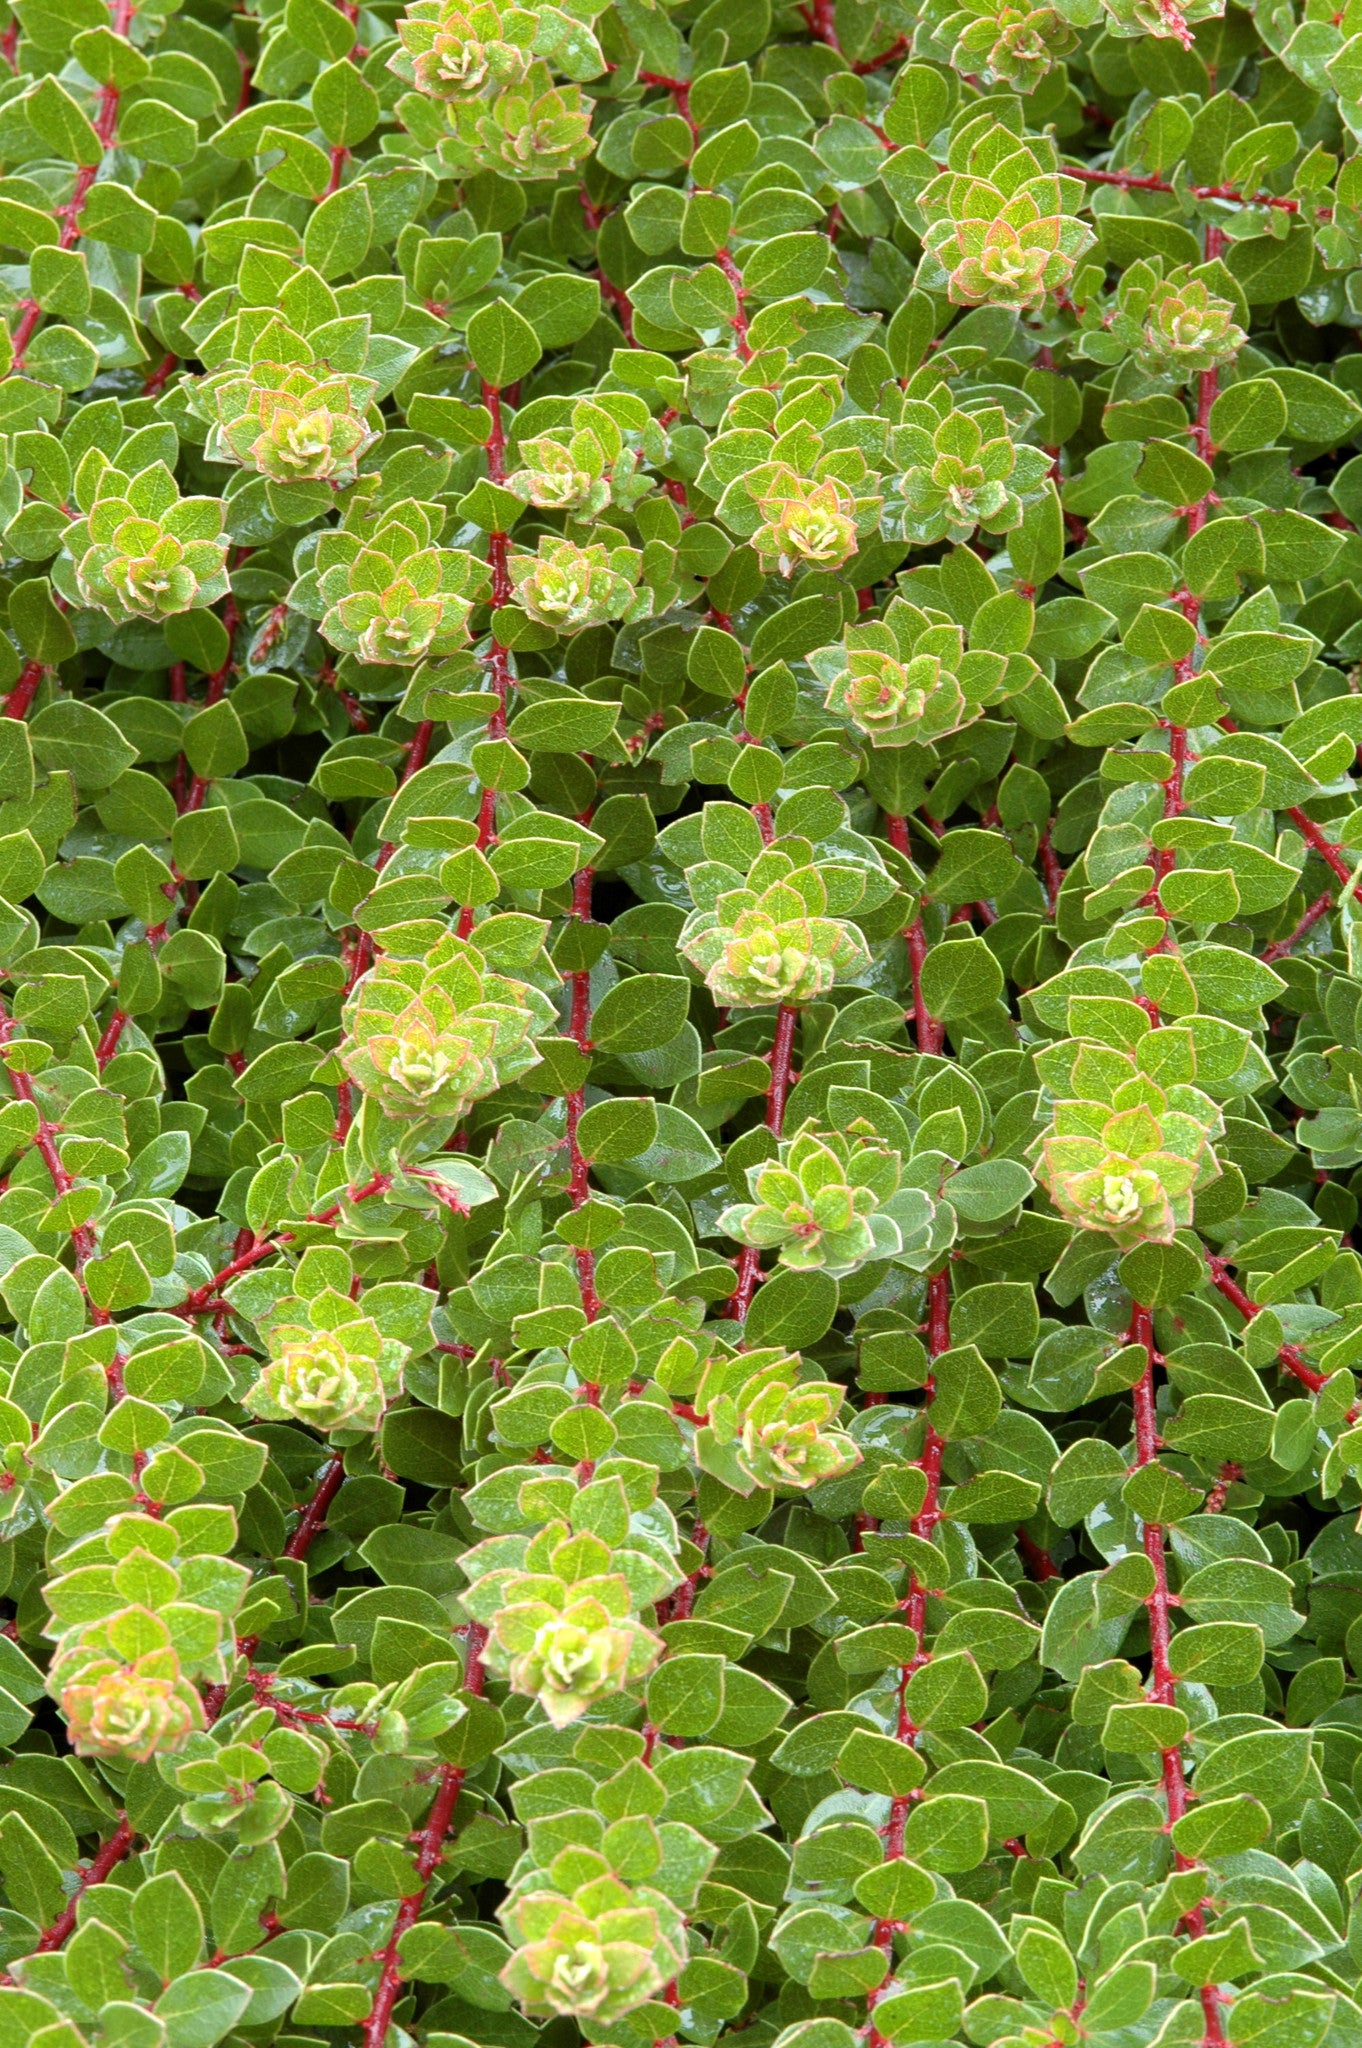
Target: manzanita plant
<point>680,1024</point>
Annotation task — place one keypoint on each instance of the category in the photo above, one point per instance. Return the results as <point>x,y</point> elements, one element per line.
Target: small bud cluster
<point>907,680</point>
<point>140,551</point>
<point>831,1203</point>
<point>1003,42</point>
<point>426,1039</point>
<point>568,587</point>
<point>337,1351</point>
<point>1173,325</point>
<point>491,67</point>
<point>286,412</point>
<point>564,1607</point>
<point>767,1424</point>
<point>596,459</point>
<point>590,1947</point>
<point>768,940</point>
<point>1121,1154</point>
<point>1005,232</point>
<point>960,471</point>
<point>386,591</point>
<point>140,1609</point>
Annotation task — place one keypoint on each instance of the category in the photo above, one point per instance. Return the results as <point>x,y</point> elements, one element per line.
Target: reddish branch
<point>25,690</point>
<point>931,1033</point>
<point>1321,907</point>
<point>1128,182</point>
<point>313,1518</point>
<point>1161,1684</point>
<point>430,1849</point>
<point>349,703</point>
<point>679,88</point>
<point>1165,856</point>
<point>1208,390</point>
<point>109,1037</point>
<point>683,1599</point>
<point>487,836</point>
<point>498,660</point>
<point>105,1861</point>
<point>738,321</point>
<point>821,18</point>
<point>777,1093</point>
<point>118,1022</point>
<point>1290,1357</point>
<point>156,380</point>
<point>579,1029</point>
<point>207,1298</point>
<point>914,1604</point>
<point>1314,836</point>
<point>106,127</point>
<point>83,1240</point>
<point>1161,1680</point>
<point>866,65</point>
<point>340,156</point>
<point>1039,1564</point>
<point>1050,868</point>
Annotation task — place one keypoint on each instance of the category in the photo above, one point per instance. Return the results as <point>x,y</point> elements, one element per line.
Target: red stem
<point>496,439</point>
<point>1314,836</point>
<point>1130,183</point>
<point>429,1851</point>
<point>821,19</point>
<point>109,1037</point>
<point>313,1518</point>
<point>25,690</point>
<point>931,1033</point>
<point>738,321</point>
<point>579,1028</point>
<point>105,1861</point>
<point>889,56</point>
<point>1208,390</point>
<point>497,549</point>
<point>1289,1357</point>
<point>915,1601</point>
<point>1039,1564</point>
<point>777,1094</point>
<point>106,127</point>
<point>1162,1686</point>
<point>83,1240</point>
<point>1166,856</point>
<point>1279,948</point>
<point>157,379</point>
<point>1161,1682</point>
<point>679,88</point>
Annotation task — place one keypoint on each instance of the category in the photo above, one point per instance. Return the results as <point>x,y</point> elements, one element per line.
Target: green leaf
<point>168,1925</point>
<point>63,128</point>
<point>641,1012</point>
<point>344,104</point>
<point>503,344</point>
<point>960,979</point>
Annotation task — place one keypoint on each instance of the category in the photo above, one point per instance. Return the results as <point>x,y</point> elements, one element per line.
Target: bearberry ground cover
<point>680,1024</point>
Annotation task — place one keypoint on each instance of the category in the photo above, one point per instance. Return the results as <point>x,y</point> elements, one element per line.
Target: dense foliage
<point>680,1024</point>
